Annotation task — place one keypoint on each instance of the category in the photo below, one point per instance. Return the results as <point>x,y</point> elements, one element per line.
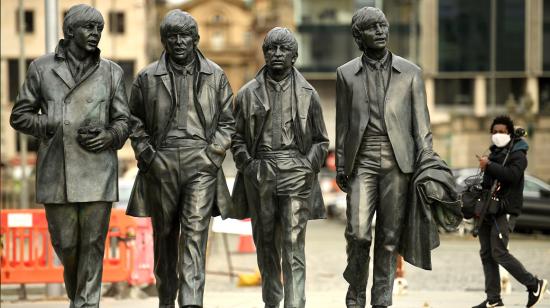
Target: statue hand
<point>97,139</point>
<point>342,181</point>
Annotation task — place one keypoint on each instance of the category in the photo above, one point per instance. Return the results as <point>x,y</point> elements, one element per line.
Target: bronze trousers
<point>377,187</point>
<point>182,191</point>
<point>278,186</point>
<point>78,232</point>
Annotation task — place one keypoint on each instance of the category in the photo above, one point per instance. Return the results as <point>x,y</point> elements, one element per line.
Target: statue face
<point>375,35</point>
<point>279,57</point>
<point>87,36</point>
<point>179,46</point>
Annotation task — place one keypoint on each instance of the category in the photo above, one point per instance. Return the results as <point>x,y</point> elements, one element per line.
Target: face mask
<point>500,140</point>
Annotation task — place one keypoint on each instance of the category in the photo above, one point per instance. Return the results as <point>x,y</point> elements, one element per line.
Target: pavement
<point>416,299</point>
<point>455,281</point>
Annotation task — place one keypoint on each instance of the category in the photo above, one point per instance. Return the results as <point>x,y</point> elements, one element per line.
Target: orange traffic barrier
<point>143,263</point>
<point>28,257</point>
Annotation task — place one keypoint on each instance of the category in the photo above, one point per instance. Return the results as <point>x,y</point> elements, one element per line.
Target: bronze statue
<point>279,145</point>
<point>75,103</point>
<point>182,121</point>
<point>382,125</point>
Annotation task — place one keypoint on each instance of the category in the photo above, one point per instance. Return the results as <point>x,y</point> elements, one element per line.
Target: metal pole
<point>24,196</point>
<point>22,137</point>
<point>50,9</point>
<point>493,48</point>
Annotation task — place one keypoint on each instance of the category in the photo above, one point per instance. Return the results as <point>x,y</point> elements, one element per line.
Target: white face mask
<point>500,140</point>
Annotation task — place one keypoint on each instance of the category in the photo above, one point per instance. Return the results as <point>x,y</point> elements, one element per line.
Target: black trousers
<point>280,185</point>
<point>182,187</point>
<point>377,187</point>
<point>78,232</point>
<point>494,252</point>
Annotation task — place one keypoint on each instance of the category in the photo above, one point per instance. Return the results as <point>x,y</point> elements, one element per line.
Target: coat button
<point>66,122</point>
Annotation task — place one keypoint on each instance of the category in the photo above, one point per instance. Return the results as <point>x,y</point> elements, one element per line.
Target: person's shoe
<point>490,304</point>
<point>355,299</point>
<point>536,295</point>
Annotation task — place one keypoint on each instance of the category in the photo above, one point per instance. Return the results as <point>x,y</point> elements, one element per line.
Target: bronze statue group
<point>181,118</point>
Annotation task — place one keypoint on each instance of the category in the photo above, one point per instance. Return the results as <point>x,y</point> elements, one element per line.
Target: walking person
<point>506,165</point>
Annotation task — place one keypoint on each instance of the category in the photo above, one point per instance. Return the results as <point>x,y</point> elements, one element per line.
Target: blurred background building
<point>480,57</point>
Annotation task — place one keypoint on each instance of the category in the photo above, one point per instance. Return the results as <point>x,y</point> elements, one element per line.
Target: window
<point>544,95</point>
<point>128,67</point>
<point>507,89</point>
<point>454,92</point>
<point>116,22</point>
<point>13,77</point>
<point>510,34</point>
<point>404,27</point>
<point>28,21</point>
<point>546,36</point>
<point>464,35</point>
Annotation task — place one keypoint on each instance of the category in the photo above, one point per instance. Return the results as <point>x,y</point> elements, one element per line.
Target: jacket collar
<point>61,49</point>
<point>62,68</point>
<point>301,87</point>
<point>396,63</point>
<point>204,66</point>
<point>298,78</point>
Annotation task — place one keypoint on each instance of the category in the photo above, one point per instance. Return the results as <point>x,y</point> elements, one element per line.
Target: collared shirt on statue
<point>186,123</point>
<point>278,93</point>
<point>378,75</point>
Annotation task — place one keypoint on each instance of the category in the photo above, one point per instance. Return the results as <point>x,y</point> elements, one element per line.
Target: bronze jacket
<point>251,108</point>
<point>405,114</point>
<point>52,107</point>
<point>152,108</point>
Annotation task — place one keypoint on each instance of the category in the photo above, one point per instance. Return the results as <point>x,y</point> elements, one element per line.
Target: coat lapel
<point>260,109</point>
<point>303,101</point>
<point>395,81</point>
<point>62,71</point>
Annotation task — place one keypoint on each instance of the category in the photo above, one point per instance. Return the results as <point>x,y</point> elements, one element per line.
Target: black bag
<point>473,197</point>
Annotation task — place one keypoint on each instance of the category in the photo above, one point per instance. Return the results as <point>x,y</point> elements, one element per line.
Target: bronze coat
<point>65,171</point>
<point>405,113</point>
<point>251,108</point>
<point>152,108</point>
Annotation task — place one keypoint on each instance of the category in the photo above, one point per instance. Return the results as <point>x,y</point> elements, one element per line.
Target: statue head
<point>82,27</point>
<point>179,35</point>
<point>370,29</point>
<point>280,51</point>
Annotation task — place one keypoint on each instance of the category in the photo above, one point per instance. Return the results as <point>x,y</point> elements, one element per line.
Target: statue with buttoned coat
<point>74,102</point>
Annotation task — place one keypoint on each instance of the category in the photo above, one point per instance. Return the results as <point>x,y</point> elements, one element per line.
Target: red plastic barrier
<point>28,257</point>
<point>142,267</point>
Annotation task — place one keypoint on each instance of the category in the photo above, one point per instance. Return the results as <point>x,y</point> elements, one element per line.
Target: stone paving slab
<point>417,299</point>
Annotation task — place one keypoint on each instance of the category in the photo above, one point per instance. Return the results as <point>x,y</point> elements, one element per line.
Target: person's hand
<point>96,139</point>
<point>483,162</point>
<point>342,181</point>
